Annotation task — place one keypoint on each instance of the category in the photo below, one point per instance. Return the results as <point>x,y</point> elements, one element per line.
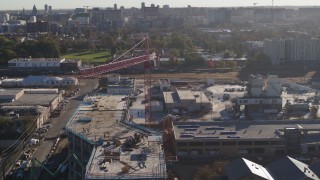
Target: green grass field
<point>90,57</point>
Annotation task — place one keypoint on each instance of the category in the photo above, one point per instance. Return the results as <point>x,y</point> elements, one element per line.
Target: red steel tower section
<point>168,138</point>
<point>116,64</point>
<point>121,64</point>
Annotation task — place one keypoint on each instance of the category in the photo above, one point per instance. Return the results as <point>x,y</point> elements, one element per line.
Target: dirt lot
<point>293,75</point>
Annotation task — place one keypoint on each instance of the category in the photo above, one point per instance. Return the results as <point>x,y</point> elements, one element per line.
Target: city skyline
<point>59,4</point>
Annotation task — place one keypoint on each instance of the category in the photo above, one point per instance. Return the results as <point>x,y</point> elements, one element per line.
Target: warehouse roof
<point>289,168</point>
<point>242,130</point>
<point>242,168</point>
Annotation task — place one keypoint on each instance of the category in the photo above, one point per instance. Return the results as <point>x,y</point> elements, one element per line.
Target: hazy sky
<point>65,4</point>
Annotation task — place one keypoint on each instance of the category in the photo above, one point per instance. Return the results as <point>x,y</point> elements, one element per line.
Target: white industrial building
<point>32,64</point>
<point>40,81</point>
<point>263,97</point>
<point>45,65</point>
<point>186,100</point>
<point>292,50</point>
<point>164,84</point>
<point>275,50</point>
<point>120,86</point>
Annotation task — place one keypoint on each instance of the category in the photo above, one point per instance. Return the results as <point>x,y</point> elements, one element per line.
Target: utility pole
<point>272,11</point>
<point>254,7</point>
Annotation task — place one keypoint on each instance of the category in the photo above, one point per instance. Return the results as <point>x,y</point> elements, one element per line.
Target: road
<point>58,123</point>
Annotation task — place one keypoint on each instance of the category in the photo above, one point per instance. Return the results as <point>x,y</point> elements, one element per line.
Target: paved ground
<point>86,85</point>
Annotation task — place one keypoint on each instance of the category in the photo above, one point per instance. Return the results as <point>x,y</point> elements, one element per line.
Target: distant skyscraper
<point>165,6</point>
<point>34,10</point>
<point>46,7</point>
<point>50,8</point>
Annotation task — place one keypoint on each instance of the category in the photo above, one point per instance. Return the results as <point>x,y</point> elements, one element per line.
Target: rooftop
<point>176,97</point>
<point>241,130</point>
<point>35,59</point>
<point>185,95</point>
<point>97,118</point>
<point>33,100</point>
<point>71,61</point>
<point>316,168</point>
<point>164,81</point>
<point>10,92</point>
<point>145,161</point>
<point>241,168</point>
<point>290,168</point>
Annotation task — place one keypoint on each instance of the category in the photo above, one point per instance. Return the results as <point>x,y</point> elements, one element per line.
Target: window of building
<point>228,143</point>
<point>245,143</point>
<point>195,143</point>
<point>261,143</point>
<point>311,149</point>
<point>182,151</point>
<point>259,150</point>
<point>182,144</point>
<point>276,142</point>
<point>212,143</point>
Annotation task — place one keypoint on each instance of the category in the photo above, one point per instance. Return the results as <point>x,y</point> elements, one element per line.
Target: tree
<point>173,53</point>
<point>46,47</point>
<point>230,64</point>
<point>5,123</point>
<point>107,41</point>
<point>260,60</point>
<point>205,173</point>
<point>192,58</point>
<point>6,55</point>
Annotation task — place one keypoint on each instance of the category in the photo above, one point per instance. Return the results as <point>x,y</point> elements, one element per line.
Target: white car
<point>33,142</point>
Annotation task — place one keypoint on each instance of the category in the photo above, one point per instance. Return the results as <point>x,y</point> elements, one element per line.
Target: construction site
<point>138,127</point>
<point>173,120</point>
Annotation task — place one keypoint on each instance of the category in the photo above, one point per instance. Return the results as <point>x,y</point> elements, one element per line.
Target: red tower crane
<point>125,63</point>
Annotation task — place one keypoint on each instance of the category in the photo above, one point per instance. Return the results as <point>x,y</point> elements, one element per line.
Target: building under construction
<point>109,147</point>
<point>262,97</point>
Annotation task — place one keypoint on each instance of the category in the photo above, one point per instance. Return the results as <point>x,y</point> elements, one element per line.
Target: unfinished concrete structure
<point>100,138</point>
<point>262,98</point>
<point>120,86</point>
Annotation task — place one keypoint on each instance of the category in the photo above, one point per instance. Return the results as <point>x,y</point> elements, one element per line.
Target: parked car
<point>33,141</point>
<point>47,126</point>
<point>41,130</point>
